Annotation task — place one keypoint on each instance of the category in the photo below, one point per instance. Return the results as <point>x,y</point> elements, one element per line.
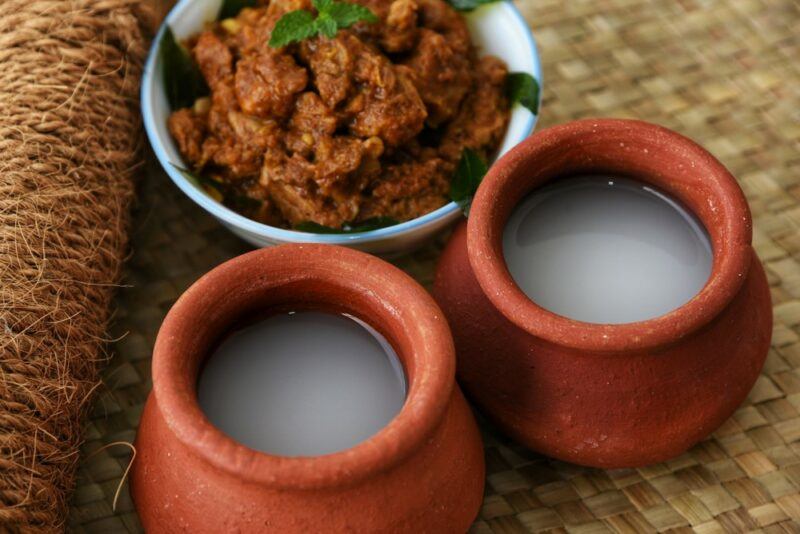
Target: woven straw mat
<point>725,73</point>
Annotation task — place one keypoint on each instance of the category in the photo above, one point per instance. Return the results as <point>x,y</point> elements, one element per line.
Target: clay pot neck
<point>308,277</point>
<point>625,148</point>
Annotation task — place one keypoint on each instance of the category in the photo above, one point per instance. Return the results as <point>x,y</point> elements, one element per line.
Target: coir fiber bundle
<point>69,146</point>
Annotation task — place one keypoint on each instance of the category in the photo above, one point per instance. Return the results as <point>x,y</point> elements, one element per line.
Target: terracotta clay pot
<point>423,472</point>
<point>607,395</point>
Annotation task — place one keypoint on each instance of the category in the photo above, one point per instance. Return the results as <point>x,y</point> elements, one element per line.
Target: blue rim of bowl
<point>230,217</point>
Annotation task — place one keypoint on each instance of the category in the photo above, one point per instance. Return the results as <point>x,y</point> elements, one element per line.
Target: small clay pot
<point>618,395</point>
<point>423,472</point>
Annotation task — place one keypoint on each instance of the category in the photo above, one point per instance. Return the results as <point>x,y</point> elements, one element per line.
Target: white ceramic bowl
<point>496,29</point>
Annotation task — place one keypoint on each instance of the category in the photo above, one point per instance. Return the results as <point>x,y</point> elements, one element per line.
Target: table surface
<point>724,73</point>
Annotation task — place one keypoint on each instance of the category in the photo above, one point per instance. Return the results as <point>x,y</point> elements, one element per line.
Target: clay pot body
<point>619,395</point>
<point>423,472</point>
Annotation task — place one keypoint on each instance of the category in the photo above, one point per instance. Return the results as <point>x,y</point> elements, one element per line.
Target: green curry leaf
<point>523,88</point>
<point>315,228</point>
<point>199,179</point>
<point>220,191</point>
<point>469,173</point>
<point>374,223</point>
<point>183,82</point>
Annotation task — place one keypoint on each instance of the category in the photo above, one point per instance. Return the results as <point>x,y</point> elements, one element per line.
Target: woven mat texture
<point>726,73</point>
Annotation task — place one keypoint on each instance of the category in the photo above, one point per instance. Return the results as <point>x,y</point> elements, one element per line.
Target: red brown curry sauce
<point>368,124</point>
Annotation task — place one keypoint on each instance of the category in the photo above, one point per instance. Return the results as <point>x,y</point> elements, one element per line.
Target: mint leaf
<point>326,26</point>
<point>321,5</point>
<point>293,26</point>
<point>231,8</point>
<point>523,88</point>
<point>183,82</point>
<point>346,14</point>
<point>469,173</point>
<point>331,17</point>
<point>373,223</point>
<point>469,5</point>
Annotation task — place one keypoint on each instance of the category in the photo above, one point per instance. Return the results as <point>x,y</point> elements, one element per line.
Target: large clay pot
<point>607,395</point>
<point>424,472</point>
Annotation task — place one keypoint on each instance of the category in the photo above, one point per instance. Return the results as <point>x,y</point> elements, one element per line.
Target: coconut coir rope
<point>69,145</point>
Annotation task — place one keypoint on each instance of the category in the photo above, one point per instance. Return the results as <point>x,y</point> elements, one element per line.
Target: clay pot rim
<point>403,304</point>
<point>722,208</point>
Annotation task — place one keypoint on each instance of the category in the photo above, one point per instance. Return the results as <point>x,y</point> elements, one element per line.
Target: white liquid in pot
<point>606,250</point>
<point>302,384</point>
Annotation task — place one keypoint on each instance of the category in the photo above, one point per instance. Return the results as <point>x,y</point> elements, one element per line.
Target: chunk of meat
<point>223,101</point>
<point>235,160</point>
<point>313,116</point>
<point>267,82</point>
<point>337,160</point>
<point>311,120</point>
<point>232,144</point>
<point>249,31</point>
<point>387,105</point>
<point>331,64</point>
<point>396,30</point>
<point>441,76</point>
<point>213,58</point>
<point>292,183</point>
<point>442,18</point>
<point>255,132</point>
<point>254,202</point>
<point>326,186</point>
<point>407,190</point>
<point>399,27</point>
<point>483,117</point>
<point>188,129</point>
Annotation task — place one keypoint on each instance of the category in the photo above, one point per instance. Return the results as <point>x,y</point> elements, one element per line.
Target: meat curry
<point>370,123</point>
